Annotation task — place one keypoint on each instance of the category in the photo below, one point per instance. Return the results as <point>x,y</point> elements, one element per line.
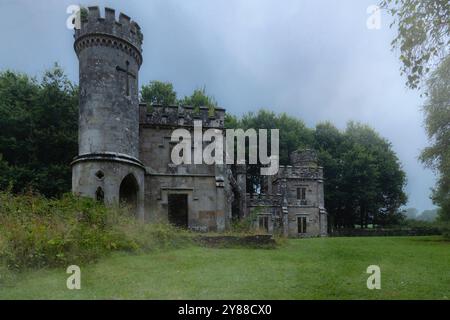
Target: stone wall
<point>204,185</point>
<point>385,232</point>
<point>181,116</point>
<point>312,216</point>
<point>206,207</point>
<point>88,176</point>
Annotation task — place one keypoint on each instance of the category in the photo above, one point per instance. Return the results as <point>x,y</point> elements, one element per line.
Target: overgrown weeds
<point>36,232</point>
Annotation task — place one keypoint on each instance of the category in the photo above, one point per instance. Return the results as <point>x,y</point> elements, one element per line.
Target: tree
<point>423,29</point>
<point>424,41</point>
<point>293,135</point>
<point>411,213</point>
<point>428,215</point>
<point>158,92</point>
<point>328,141</point>
<point>38,136</point>
<point>380,178</point>
<point>199,98</point>
<point>363,178</point>
<point>293,132</point>
<point>437,125</point>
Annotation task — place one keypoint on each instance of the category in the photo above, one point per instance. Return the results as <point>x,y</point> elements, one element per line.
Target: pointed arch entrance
<point>128,193</point>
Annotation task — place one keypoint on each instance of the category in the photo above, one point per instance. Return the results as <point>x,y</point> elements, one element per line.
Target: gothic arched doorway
<point>128,193</point>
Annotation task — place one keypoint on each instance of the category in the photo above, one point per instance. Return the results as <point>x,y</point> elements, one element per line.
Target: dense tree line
<point>38,139</point>
<point>364,180</point>
<point>38,132</point>
<point>426,215</point>
<point>163,93</point>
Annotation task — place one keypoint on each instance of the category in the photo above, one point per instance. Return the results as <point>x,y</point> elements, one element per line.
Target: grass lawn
<point>320,268</point>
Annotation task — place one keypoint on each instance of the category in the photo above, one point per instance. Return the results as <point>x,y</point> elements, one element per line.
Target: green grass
<point>321,268</point>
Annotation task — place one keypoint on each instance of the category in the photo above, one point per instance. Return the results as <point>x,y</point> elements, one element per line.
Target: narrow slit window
<point>100,195</point>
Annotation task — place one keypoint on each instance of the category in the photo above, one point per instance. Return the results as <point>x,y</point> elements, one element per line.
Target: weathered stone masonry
<point>107,166</point>
<point>125,147</point>
<point>203,185</point>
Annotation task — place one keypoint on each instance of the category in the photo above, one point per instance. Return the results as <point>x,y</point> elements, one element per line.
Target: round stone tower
<point>107,166</point>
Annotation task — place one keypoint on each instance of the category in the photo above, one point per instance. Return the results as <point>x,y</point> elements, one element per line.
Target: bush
<point>147,237</point>
<point>37,232</point>
<point>418,225</point>
<point>246,225</point>
<point>445,229</point>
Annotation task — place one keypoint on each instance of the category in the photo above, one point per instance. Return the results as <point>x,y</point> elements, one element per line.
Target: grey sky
<point>312,59</point>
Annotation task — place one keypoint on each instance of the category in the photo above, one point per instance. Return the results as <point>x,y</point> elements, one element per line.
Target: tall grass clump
<point>37,232</point>
<point>246,224</point>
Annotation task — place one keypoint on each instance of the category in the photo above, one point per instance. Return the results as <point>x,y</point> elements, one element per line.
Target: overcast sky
<point>313,59</point>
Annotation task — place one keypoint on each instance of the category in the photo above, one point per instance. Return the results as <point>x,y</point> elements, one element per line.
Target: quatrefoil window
<point>100,175</point>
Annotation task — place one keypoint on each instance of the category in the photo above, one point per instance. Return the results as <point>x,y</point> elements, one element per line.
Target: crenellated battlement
<point>261,199</point>
<point>305,157</point>
<point>183,116</point>
<point>301,172</point>
<point>123,34</point>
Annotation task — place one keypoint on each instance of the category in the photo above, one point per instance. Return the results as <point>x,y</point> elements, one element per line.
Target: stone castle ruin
<point>125,147</point>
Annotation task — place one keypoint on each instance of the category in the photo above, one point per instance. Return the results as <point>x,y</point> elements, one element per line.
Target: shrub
<point>37,232</point>
<point>439,225</point>
<point>84,14</point>
<point>246,225</point>
<point>413,223</point>
<point>2,244</point>
<point>445,229</point>
<point>154,236</point>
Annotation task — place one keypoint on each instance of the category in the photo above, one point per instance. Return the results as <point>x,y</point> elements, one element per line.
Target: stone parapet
<point>181,116</point>
<point>123,34</point>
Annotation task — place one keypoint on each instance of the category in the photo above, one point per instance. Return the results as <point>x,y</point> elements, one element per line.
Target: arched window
<point>128,192</point>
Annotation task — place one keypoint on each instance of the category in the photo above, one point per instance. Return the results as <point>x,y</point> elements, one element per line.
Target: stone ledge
<point>108,157</point>
<point>255,241</point>
<point>385,232</point>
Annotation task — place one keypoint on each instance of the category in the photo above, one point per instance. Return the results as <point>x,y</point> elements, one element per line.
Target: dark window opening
<point>178,210</point>
<point>128,192</point>
<point>301,224</point>
<point>264,223</point>
<point>99,195</point>
<point>301,193</point>
<point>100,174</point>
